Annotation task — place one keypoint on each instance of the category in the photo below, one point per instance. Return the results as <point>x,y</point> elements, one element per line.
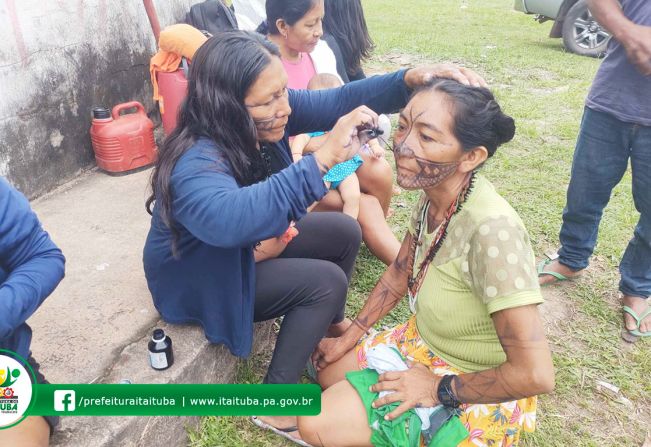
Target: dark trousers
<point>308,284</point>
<point>603,150</point>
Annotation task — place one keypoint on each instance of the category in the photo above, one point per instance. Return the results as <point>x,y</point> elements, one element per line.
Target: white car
<point>572,21</point>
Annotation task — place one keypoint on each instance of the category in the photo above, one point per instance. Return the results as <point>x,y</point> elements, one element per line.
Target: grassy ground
<point>543,88</point>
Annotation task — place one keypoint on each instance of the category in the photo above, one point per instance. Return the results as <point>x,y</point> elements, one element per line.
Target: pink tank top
<point>299,73</point>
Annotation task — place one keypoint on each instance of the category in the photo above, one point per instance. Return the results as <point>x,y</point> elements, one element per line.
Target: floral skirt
<point>490,425</point>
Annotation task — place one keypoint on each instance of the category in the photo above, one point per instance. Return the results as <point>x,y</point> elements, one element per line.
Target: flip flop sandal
<point>559,276</point>
<point>632,335</point>
<point>284,432</point>
<point>311,372</point>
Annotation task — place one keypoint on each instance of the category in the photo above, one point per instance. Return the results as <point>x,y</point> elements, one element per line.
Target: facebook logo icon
<point>64,400</point>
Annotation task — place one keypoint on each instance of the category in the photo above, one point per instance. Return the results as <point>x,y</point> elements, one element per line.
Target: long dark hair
<point>344,20</point>
<point>222,71</point>
<point>478,118</point>
<point>291,11</point>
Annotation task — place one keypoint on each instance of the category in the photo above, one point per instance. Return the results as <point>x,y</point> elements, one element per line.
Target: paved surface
<point>96,325</point>
<point>103,303</point>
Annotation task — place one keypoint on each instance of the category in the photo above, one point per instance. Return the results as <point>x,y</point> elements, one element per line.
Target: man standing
<point>616,127</point>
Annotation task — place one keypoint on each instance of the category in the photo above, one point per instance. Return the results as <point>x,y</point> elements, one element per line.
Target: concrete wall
<point>59,59</point>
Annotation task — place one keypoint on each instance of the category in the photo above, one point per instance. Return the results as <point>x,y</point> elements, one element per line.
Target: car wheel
<point>581,32</point>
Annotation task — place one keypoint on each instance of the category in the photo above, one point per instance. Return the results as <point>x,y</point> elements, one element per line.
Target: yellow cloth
<point>496,425</point>
<point>175,42</point>
<point>485,264</point>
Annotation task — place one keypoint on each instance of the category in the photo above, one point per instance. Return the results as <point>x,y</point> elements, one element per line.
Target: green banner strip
<point>175,400</point>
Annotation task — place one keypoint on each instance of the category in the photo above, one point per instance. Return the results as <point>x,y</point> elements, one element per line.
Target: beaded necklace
<point>415,282</point>
<point>266,158</point>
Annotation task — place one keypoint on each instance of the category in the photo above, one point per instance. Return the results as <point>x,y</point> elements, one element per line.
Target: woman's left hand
<point>415,388</point>
<point>415,77</point>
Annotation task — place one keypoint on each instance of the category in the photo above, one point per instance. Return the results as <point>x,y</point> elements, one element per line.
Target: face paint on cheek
<point>265,125</point>
<point>419,173</point>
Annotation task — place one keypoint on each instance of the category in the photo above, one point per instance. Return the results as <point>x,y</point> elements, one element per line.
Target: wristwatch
<point>445,394</point>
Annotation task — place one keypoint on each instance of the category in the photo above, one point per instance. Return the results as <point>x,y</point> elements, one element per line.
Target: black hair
<point>344,20</point>
<point>223,70</point>
<point>291,11</point>
<point>478,118</point>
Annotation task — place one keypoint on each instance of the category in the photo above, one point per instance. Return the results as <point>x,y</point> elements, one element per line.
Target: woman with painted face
<point>225,194</point>
<point>295,26</point>
<point>475,341</point>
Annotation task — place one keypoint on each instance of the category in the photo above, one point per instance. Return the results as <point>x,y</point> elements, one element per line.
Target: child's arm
<point>298,146</point>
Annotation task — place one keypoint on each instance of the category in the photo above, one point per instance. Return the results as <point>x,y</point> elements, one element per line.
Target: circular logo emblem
<point>15,389</point>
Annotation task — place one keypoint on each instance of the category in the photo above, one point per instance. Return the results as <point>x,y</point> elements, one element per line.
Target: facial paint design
<point>427,174</point>
<point>265,125</point>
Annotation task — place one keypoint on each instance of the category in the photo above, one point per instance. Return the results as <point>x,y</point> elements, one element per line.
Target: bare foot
<point>639,306</point>
<point>557,267</point>
<point>282,423</point>
<point>338,329</point>
<point>396,190</point>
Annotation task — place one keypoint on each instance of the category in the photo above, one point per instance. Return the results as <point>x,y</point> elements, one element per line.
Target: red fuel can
<point>172,89</point>
<point>123,142</point>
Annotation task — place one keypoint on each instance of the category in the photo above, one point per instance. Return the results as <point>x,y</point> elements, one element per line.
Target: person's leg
<point>350,194</point>
<point>330,202</point>
<point>600,161</point>
<point>343,421</point>
<point>635,267</point>
<point>310,293</point>
<point>376,232</point>
<point>33,431</point>
<point>333,237</point>
<point>337,371</point>
<point>330,236</point>
<point>376,178</point>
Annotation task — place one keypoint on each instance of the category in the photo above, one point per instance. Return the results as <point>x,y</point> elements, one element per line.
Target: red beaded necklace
<point>415,282</point>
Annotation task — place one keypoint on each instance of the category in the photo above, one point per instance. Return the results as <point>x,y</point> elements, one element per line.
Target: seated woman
<point>296,27</point>
<point>224,184</point>
<point>31,266</point>
<point>476,339</point>
<point>345,31</point>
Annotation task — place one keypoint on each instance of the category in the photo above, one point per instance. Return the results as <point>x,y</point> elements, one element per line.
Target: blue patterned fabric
<point>338,173</point>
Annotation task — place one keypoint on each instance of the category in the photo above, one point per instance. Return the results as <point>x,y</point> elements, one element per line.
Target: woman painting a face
<point>226,194</point>
<point>475,341</point>
<point>267,103</point>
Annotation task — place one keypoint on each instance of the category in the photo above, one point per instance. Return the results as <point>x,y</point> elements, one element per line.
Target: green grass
<point>544,89</point>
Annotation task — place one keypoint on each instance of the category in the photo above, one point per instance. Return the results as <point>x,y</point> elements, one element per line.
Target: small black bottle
<point>160,350</point>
